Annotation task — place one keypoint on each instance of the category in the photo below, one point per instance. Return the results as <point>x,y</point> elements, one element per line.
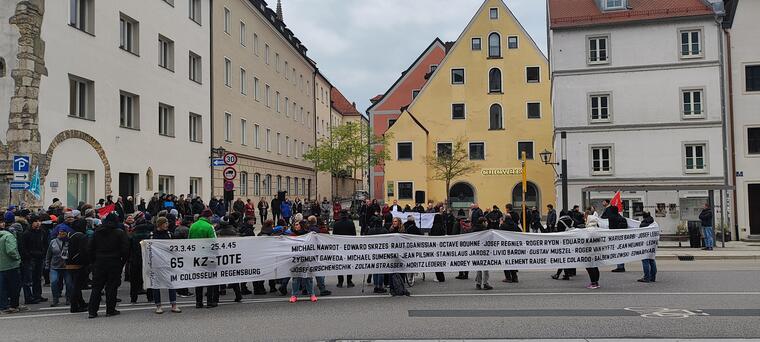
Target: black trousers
<point>440,276</point>
<point>212,295</point>
<point>79,278</point>
<point>136,281</point>
<point>593,273</point>
<point>348,278</point>
<point>235,288</point>
<point>107,276</point>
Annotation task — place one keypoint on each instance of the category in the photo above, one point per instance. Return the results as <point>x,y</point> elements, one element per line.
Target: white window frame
<point>608,7</point>
<point>491,12</point>
<point>691,91</point>
<point>227,72</point>
<point>526,74</point>
<point>226,21</point>
<point>411,157</point>
<point>167,182</point>
<point>277,101</point>
<point>195,129</point>
<point>257,184</point>
<point>195,10</point>
<point>279,143</point>
<point>610,159</point>
<point>266,53</point>
<point>132,118</point>
<point>472,44</point>
<point>165,53</point>
<point>256,45</point>
<point>690,43</point>
<point>243,132</point>
<point>243,41</point>
<point>502,123</point>
<point>540,110</point>
<point>195,67</point>
<point>590,108</point>
<point>607,49</point>
<point>269,140</point>
<point>195,186</point>
<point>517,42</point>
<point>469,157</point>
<point>227,128</point>
<point>257,136</point>
<point>464,76</point>
<point>268,95</point>
<point>129,34</point>
<point>243,183</point>
<point>84,99</point>
<point>256,91</point>
<point>533,145</point>
<point>166,120</point>
<point>82,15</point>
<point>243,82</point>
<point>705,157</point>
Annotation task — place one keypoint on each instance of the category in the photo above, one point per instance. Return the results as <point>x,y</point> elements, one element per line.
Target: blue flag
<point>34,188</point>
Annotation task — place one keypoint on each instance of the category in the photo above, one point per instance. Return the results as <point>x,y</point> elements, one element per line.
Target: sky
<point>362,46</point>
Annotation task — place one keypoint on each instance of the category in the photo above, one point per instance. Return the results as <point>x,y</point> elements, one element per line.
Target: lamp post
<point>546,157</point>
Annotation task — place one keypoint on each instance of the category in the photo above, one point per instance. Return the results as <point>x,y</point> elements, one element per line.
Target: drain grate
<point>685,258</point>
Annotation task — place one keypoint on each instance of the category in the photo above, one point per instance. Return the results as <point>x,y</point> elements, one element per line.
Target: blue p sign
<point>21,163</point>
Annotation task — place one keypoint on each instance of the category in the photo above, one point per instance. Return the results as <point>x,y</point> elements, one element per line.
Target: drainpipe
<point>719,23</point>
<point>729,71</point>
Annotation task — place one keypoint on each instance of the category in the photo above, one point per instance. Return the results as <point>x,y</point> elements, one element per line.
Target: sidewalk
<point>734,250</point>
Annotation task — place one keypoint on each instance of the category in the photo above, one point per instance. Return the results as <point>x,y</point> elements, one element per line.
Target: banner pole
<point>524,190</point>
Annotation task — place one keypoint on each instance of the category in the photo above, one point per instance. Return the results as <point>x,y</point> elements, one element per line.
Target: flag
<point>617,201</point>
<point>34,187</point>
<point>103,212</point>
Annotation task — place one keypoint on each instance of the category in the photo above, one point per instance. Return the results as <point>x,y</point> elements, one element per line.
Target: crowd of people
<point>95,246</point>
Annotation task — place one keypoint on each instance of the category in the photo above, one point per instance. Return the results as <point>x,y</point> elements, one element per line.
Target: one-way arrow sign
<point>20,176</point>
<point>20,185</point>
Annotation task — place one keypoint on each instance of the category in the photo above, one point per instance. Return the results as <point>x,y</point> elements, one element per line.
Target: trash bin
<point>695,236</point>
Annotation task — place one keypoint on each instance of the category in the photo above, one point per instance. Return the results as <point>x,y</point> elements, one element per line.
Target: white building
<point>638,91</point>
<point>742,28</point>
<point>125,106</point>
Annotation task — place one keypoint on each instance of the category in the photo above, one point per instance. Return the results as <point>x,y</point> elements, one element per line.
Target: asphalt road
<point>704,299</point>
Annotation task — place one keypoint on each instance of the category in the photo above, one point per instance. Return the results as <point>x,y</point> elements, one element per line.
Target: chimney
<point>279,11</point>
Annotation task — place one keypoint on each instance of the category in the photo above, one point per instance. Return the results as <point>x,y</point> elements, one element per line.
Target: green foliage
<point>447,166</point>
<point>349,147</point>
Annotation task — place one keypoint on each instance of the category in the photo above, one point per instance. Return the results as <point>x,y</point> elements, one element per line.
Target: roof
<point>341,104</point>
<point>579,13</point>
<point>280,26</point>
<point>731,6</point>
<point>377,98</point>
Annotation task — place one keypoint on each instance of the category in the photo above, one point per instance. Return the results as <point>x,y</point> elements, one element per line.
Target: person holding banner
<point>649,265</point>
<point>202,229</point>
<point>346,227</point>
<point>592,222</point>
<point>439,229</point>
<point>162,233</point>
<point>481,277</point>
<point>301,283</point>
<point>510,276</point>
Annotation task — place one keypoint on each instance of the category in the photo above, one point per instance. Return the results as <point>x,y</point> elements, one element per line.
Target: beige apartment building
<point>324,114</point>
<point>263,101</point>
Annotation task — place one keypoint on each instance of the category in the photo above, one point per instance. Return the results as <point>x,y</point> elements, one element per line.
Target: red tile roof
<point>341,104</point>
<point>576,13</point>
<point>377,98</point>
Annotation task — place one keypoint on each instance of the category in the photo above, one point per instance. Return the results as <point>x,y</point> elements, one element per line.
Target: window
<point>496,117</point>
<point>476,44</point>
<point>256,47</point>
<point>477,151</point>
<point>695,158</point>
<point>433,68</point>
<point>613,4</point>
<point>601,160</point>
<point>227,124</point>
<point>444,150</point>
<point>268,184</point>
<point>391,122</point>
<point>458,111</point>
<point>165,184</point>
<point>196,131</point>
<point>277,101</point>
<point>195,10</point>
<point>494,45</point>
<point>266,53</point>
<point>295,186</point>
<point>287,146</point>
<point>597,50</point>
<point>415,93</point>
<point>227,72</point>
<point>752,76</point>
<point>243,82</point>
<point>279,183</point>
<point>534,110</point>
<point>279,144</point>
<point>457,76</point>
<point>81,98</point>
<point>256,136</point>
<point>405,190</point>
<point>692,103</point>
<point>257,184</point>
<point>129,113</point>
<point>256,91</point>
<point>287,70</point>
<point>494,81</point>
<point>527,147</point>
<point>165,120</point>
<point>494,13</point>
<point>129,34</point>
<point>691,43</point>
<point>242,34</point>
<point>226,20</point>
<point>287,107</point>
<point>268,95</point>
<point>753,140</point>
<point>78,186</point>
<point>243,132</point>
<point>512,42</point>
<point>404,150</point>
<point>82,15</point>
<point>269,142</point>
<point>244,183</point>
<point>295,148</point>
<point>165,53</point>
<point>195,72</point>
<point>195,186</point>
<point>600,107</point>
<point>303,186</point>
<point>533,74</point>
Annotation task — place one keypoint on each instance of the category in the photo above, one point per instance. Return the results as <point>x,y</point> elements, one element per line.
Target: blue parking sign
<point>21,163</point>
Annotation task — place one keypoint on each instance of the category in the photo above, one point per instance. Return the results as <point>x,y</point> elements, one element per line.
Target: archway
<point>531,195</point>
<point>75,134</point>
<point>461,195</point>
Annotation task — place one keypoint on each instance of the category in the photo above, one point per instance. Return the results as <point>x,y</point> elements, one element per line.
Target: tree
<point>450,164</point>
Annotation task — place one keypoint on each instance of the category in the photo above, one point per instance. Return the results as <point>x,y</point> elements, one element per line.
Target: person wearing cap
<point>68,218</point>
<point>10,261</point>
<point>203,229</point>
<point>34,244</point>
<point>108,252</point>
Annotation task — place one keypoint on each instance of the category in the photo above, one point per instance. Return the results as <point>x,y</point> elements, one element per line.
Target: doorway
<point>753,208</point>
<point>127,184</point>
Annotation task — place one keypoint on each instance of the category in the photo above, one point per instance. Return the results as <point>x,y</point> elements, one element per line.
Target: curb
<point>708,257</point>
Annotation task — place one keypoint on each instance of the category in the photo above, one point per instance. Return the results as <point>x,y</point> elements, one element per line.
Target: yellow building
<point>493,92</point>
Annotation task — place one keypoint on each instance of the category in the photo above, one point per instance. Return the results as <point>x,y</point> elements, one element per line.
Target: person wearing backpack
<point>55,261</point>
<point>10,261</point>
<point>76,265</point>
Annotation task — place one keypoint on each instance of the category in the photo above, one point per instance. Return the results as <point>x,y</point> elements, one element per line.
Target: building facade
<point>647,121</point>
<point>387,107</point>
<point>744,89</point>
<point>491,91</point>
<point>324,113</point>
<point>110,97</point>
<point>263,101</point>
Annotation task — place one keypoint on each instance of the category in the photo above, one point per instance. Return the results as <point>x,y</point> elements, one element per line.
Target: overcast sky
<point>362,46</point>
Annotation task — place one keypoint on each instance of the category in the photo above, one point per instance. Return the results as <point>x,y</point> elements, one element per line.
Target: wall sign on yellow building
<point>515,171</point>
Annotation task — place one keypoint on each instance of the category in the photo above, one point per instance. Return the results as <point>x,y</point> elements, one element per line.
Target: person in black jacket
<point>507,224</point>
<point>78,264</point>
<point>108,251</point>
<point>438,229</point>
<point>345,226</point>
<point>706,219</point>
<point>34,243</point>
<point>648,265</point>
<point>494,217</point>
<point>275,206</point>
<point>616,221</point>
<point>143,229</point>
<point>551,219</point>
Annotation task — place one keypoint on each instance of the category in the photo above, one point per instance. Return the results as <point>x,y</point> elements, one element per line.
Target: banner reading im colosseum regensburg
<point>189,263</point>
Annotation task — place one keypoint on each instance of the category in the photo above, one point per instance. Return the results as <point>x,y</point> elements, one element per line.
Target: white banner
<point>423,220</point>
<point>190,263</point>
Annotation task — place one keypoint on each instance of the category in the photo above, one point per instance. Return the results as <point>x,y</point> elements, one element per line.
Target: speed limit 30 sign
<point>230,159</point>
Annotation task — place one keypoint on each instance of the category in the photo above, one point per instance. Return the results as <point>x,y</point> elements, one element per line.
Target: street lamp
<point>546,157</point>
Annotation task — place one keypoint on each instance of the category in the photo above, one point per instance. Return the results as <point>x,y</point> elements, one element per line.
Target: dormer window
<point>614,5</point>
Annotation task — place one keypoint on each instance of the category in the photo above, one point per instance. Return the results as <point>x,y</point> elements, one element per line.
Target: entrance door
<point>127,184</point>
<point>461,195</point>
<point>753,203</point>
<point>78,187</point>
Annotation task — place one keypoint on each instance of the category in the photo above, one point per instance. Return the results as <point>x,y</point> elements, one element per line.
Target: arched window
<point>243,184</point>
<point>496,117</point>
<point>257,184</point>
<point>268,185</point>
<point>461,195</point>
<point>2,67</point>
<point>279,183</point>
<point>531,195</point>
<point>287,184</point>
<point>494,81</point>
<point>494,45</point>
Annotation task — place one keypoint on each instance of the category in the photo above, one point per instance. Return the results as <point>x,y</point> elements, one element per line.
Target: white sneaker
<point>159,310</point>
